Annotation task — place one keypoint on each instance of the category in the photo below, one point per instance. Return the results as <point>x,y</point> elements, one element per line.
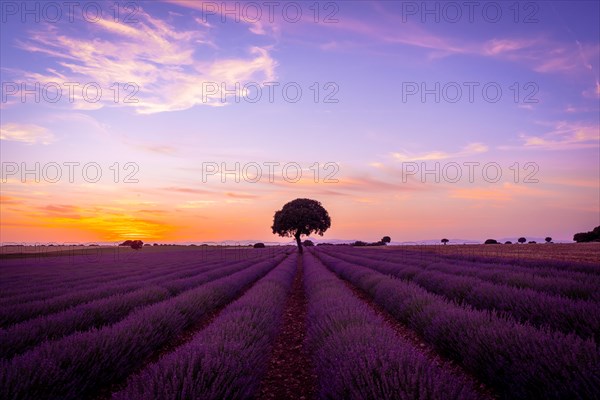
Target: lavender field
<point>184,323</point>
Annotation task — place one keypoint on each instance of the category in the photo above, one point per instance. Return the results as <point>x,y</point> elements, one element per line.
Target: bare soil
<point>291,375</point>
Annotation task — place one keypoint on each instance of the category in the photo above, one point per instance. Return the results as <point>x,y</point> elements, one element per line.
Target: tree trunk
<point>299,243</point>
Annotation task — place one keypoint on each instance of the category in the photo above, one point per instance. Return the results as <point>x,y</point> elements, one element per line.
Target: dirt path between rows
<point>291,375</point>
<point>426,349</point>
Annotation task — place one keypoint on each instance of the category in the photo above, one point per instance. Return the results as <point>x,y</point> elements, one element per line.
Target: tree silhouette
<point>386,239</point>
<point>308,243</point>
<point>444,240</point>
<point>591,236</point>
<point>522,240</point>
<point>301,217</point>
<point>259,245</point>
<point>548,239</point>
<point>137,244</point>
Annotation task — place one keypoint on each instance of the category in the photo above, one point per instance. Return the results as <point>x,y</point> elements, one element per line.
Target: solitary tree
<point>548,239</point>
<point>444,240</point>
<point>137,244</point>
<point>301,217</point>
<point>386,239</point>
<point>308,243</point>
<point>522,240</point>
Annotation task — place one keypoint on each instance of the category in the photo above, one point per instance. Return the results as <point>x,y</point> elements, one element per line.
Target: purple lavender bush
<point>228,359</point>
<point>357,356</point>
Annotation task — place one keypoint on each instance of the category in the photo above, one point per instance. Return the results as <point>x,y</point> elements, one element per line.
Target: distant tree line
<point>384,241</point>
<point>134,244</point>
<point>521,240</point>
<point>591,236</point>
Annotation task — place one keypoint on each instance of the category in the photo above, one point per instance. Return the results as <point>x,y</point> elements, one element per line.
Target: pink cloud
<point>565,135</point>
<point>157,59</point>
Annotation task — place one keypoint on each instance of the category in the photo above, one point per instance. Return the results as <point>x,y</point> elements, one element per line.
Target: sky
<point>191,121</point>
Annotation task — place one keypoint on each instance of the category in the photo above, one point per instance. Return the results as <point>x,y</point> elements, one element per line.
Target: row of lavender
<point>147,266</point>
<point>229,358</point>
<point>566,315</point>
<point>58,270</point>
<point>19,309</point>
<point>518,361</point>
<point>358,356</point>
<point>56,300</point>
<point>61,274</point>
<point>78,365</point>
<point>565,282</point>
<point>102,311</point>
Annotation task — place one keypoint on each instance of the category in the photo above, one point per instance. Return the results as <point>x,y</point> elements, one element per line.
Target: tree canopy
<point>591,236</point>
<point>301,217</point>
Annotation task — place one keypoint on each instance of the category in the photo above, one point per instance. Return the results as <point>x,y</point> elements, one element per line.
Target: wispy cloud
<point>158,148</point>
<point>499,194</point>
<point>26,133</point>
<point>221,10</point>
<point>186,190</point>
<point>469,150</point>
<point>539,53</point>
<point>241,195</point>
<point>575,182</point>
<point>158,61</point>
<point>6,200</point>
<point>565,136</point>
<point>197,204</point>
